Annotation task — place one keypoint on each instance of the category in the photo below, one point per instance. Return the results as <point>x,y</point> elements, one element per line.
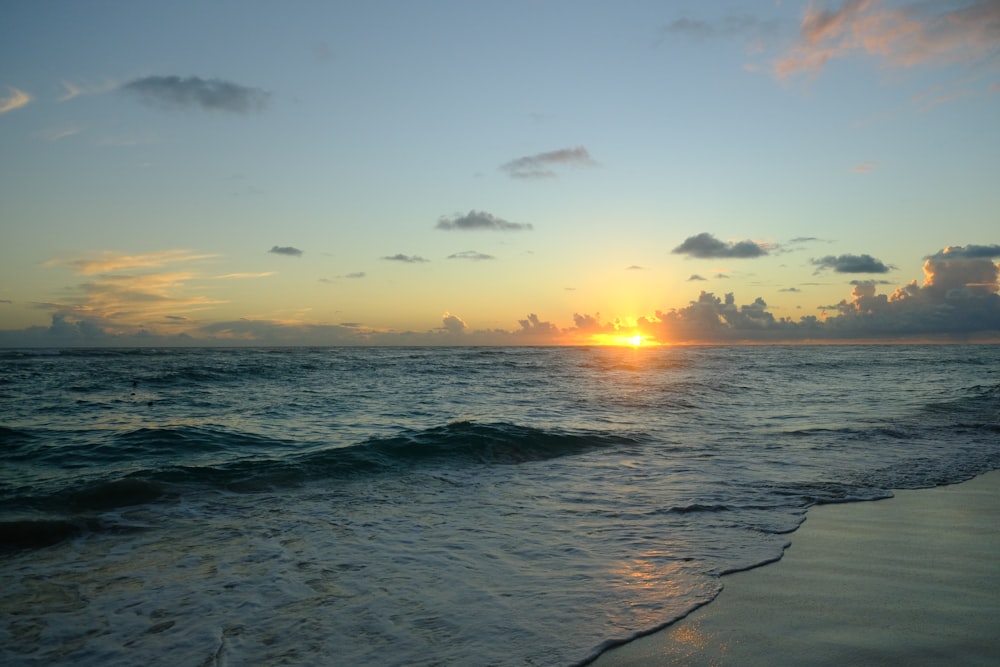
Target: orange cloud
<point>904,36</point>
<point>16,100</point>
<point>110,262</point>
<point>121,302</point>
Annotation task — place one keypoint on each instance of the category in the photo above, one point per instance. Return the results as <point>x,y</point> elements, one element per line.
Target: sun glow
<point>623,340</point>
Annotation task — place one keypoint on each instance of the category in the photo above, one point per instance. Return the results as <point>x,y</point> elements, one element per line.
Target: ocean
<point>438,506</point>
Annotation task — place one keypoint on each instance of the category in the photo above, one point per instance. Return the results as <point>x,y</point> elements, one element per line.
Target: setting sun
<point>636,340</point>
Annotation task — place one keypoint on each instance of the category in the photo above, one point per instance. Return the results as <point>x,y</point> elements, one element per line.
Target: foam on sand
<point>913,580</point>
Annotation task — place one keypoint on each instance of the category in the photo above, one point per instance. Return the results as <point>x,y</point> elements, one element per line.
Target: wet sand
<point>912,580</point>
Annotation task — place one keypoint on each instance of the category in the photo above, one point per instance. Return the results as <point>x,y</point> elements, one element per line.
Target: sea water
<point>437,506</point>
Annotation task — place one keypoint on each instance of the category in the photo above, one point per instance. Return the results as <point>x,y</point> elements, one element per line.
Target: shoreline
<point>908,580</point>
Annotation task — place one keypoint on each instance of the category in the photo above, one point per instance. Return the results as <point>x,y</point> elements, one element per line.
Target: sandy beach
<point>911,580</point>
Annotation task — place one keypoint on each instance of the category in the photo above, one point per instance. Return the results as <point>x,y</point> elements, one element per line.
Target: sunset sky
<point>498,172</point>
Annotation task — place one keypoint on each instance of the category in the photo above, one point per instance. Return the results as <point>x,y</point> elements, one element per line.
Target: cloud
<point>174,92</point>
<point>240,276</point>
<point>128,295</point>
<point>541,165</point>
<point>958,300</point>
<point>968,252</point>
<point>453,324</point>
<point>864,167</point>
<point>695,277</point>
<point>635,267</point>
<point>851,264</point>
<point>109,262</point>
<point>480,220</point>
<point>914,33</point>
<point>407,259</point>
<point>57,133</point>
<point>471,254</point>
<point>355,275</point>
<point>706,246</point>
<point>533,327</point>
<point>870,282</point>
<point>72,90</point>
<point>285,250</point>
<point>790,289</point>
<point>15,100</point>
<point>729,26</point>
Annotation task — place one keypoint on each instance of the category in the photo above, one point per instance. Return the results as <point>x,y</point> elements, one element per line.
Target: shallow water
<point>438,506</point>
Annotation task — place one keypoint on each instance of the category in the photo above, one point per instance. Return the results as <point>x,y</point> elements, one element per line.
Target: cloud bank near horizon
<point>958,299</point>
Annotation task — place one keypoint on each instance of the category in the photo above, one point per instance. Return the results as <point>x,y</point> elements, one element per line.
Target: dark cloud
<point>968,252</point>
<point>540,165</point>
<point>285,250</point>
<point>355,275</point>
<point>480,220</point>
<point>870,282</point>
<point>958,300</point>
<point>790,289</point>
<point>695,276</point>
<point>635,267</point>
<point>407,259</point>
<point>851,264</point>
<point>196,93</point>
<point>706,246</point>
<point>471,254</point>
<point>721,276</point>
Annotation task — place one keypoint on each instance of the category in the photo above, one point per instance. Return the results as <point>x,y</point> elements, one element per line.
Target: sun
<point>635,340</point>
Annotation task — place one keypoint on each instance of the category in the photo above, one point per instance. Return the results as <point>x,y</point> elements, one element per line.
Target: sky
<point>498,172</point>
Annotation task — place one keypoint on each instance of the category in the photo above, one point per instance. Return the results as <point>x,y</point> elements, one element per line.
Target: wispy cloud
<point>406,259</point>
<point>126,293</point>
<point>174,92</point>
<point>914,33</point>
<point>57,133</point>
<point>864,167</point>
<point>288,250</point>
<point>72,90</point>
<point>729,26</point>
<point>108,262</point>
<point>15,100</point>
<point>541,165</point>
<point>480,220</point>
<point>851,264</point>
<point>706,246</point>
<point>242,276</point>
<point>472,255</point>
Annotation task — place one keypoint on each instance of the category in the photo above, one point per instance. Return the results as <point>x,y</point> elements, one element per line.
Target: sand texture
<point>912,580</point>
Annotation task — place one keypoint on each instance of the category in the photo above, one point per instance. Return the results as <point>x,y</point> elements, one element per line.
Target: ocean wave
<point>165,463</point>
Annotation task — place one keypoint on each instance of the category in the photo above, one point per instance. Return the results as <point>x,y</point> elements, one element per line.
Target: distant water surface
<point>428,506</point>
